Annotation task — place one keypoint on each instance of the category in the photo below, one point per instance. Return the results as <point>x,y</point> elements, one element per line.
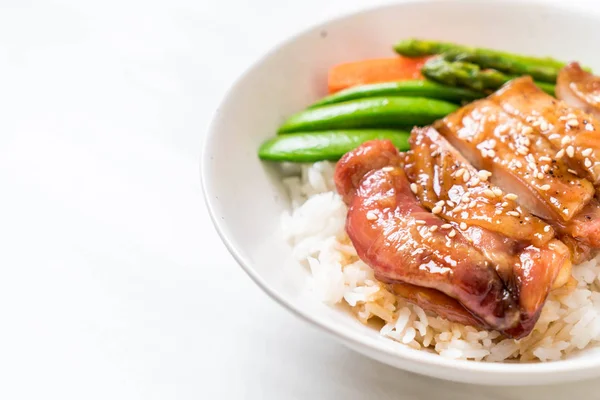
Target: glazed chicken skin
<point>519,160</point>
<point>579,89</point>
<point>523,160</point>
<point>444,178</point>
<point>441,264</point>
<point>573,133</point>
<point>436,302</point>
<point>518,244</point>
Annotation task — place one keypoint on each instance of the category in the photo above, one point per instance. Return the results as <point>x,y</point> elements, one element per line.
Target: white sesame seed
<point>466,176</point>
<point>547,228</point>
<point>518,164</point>
<point>436,210</point>
<point>540,175</point>
<point>554,136</point>
<point>512,213</point>
<point>484,175</point>
<point>452,233</point>
<point>414,188</point>
<point>446,226</point>
<point>529,119</point>
<point>560,153</point>
<point>489,193</point>
<point>435,153</point>
<point>570,151</point>
<point>433,228</point>
<point>571,116</point>
<point>565,211</point>
<point>387,169</point>
<point>504,204</point>
<point>420,222</point>
<point>491,153</point>
<point>545,187</point>
<point>474,181</point>
<point>573,123</point>
<point>545,159</point>
<point>527,130</point>
<point>589,127</point>
<point>523,150</point>
<point>565,140</point>
<point>459,173</point>
<point>544,125</point>
<point>511,196</point>
<point>587,152</point>
<point>572,171</point>
<point>587,163</point>
<point>497,191</point>
<point>440,203</point>
<point>371,216</point>
<point>498,212</point>
<point>463,226</point>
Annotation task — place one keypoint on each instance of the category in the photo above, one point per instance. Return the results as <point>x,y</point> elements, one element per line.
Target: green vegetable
<point>547,87</point>
<point>416,88</point>
<point>470,75</point>
<point>541,69</point>
<point>325,145</point>
<point>375,112</point>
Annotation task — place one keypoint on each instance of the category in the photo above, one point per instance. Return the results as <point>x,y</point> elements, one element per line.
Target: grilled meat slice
<point>537,271</point>
<point>580,252</point>
<point>448,183</point>
<point>572,132</point>
<point>403,242</point>
<point>369,156</point>
<point>502,282</point>
<point>579,89</point>
<point>436,302</point>
<point>521,162</point>
<point>584,227</point>
<point>518,244</point>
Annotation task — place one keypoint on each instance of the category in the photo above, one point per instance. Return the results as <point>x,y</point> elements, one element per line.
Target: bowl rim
<point>570,365</point>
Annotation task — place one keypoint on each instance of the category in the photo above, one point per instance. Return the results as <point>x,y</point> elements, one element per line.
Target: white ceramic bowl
<point>245,196</point>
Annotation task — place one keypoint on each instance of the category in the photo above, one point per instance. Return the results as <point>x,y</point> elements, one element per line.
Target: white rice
<point>570,320</point>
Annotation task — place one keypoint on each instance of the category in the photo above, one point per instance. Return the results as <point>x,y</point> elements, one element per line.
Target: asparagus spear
<point>541,69</point>
<point>470,75</point>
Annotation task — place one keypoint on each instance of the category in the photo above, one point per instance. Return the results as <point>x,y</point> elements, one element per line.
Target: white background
<point>113,282</point>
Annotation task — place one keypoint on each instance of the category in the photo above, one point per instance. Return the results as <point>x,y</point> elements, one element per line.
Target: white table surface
<point>113,282</point>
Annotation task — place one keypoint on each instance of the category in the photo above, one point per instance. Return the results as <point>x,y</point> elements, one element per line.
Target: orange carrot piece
<point>377,70</point>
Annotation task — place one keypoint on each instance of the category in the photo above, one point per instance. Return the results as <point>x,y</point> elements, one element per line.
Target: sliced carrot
<point>376,70</point>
